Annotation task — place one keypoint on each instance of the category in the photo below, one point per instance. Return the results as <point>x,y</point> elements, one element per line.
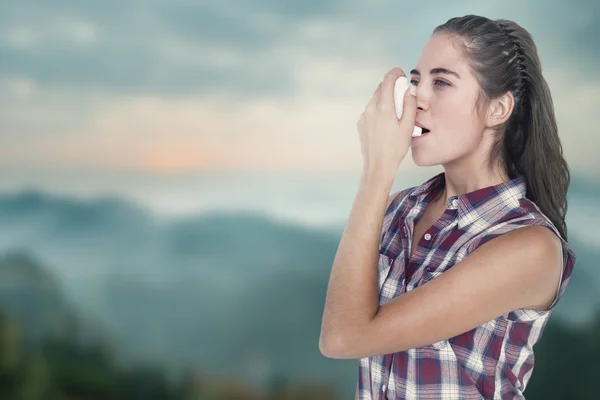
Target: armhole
<point>569,258</point>
<point>560,280</point>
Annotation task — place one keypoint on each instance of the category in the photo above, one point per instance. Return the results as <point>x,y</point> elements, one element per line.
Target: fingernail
<point>413,90</point>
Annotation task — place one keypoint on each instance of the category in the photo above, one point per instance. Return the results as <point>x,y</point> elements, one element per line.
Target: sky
<point>246,85</point>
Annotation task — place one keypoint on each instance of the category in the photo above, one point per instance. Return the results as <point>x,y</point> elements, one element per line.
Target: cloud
<point>200,47</point>
<point>243,84</point>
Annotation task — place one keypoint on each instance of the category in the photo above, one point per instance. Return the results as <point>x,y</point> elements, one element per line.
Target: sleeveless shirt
<point>492,361</point>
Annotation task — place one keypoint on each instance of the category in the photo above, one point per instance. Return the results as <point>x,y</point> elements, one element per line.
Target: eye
<point>437,82</point>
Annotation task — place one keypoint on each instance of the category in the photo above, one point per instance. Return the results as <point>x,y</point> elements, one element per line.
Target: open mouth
<point>419,131</point>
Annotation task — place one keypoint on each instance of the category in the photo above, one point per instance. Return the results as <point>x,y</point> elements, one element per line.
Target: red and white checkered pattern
<point>492,361</point>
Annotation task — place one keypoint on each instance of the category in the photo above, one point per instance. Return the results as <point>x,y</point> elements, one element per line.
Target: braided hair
<point>504,58</point>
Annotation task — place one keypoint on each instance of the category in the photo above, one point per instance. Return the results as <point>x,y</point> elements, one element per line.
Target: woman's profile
<point>442,289</point>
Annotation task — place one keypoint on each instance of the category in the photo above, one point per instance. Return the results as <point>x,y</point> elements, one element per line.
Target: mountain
<point>235,293</point>
<point>33,297</point>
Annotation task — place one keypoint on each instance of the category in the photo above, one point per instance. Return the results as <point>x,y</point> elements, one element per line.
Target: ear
<point>500,110</point>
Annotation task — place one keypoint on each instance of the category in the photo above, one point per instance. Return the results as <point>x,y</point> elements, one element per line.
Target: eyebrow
<point>436,71</point>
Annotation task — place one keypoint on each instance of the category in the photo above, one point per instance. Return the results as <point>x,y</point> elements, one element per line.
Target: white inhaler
<point>399,90</point>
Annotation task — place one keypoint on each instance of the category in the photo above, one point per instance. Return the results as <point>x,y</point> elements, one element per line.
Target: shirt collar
<point>482,207</point>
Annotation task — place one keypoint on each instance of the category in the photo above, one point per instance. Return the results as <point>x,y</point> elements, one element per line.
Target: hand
<point>384,138</point>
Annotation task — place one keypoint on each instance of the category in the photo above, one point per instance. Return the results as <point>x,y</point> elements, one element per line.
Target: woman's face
<point>446,98</point>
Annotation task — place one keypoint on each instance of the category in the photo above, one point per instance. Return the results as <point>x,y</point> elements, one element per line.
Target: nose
<point>422,103</point>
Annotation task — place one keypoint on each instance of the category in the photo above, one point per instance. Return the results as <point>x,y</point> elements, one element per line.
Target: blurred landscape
<point>175,178</point>
<point>108,298</point>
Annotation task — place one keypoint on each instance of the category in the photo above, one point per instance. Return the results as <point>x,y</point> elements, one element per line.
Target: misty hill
<point>233,293</point>
<point>236,293</point>
<point>33,297</point>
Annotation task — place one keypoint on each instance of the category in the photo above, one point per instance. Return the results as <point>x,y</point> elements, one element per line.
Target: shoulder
<point>524,226</point>
<point>398,196</point>
<point>394,209</point>
<point>529,255</point>
<point>533,251</point>
<point>532,239</point>
<point>522,220</point>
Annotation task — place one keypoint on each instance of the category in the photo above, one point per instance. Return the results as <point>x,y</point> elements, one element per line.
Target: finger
<point>386,99</point>
<point>409,109</point>
<point>360,121</point>
<point>376,95</point>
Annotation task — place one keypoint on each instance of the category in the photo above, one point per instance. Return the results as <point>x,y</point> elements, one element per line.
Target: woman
<point>472,262</point>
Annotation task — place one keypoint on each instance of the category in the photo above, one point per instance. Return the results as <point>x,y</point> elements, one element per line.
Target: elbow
<point>333,346</point>
<point>328,346</point>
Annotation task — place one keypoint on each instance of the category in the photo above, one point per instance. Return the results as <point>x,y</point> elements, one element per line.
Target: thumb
<point>409,109</point>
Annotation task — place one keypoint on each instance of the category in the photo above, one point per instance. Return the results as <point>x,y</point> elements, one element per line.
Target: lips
<point>423,128</point>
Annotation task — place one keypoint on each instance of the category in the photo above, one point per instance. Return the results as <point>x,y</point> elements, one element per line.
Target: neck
<point>461,180</point>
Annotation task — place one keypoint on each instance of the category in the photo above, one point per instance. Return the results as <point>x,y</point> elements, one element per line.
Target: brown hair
<point>503,57</point>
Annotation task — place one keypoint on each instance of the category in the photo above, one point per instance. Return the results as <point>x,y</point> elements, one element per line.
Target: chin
<point>423,161</point>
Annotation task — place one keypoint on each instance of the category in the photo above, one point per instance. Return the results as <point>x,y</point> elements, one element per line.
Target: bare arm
<point>352,298</point>
<point>500,276</point>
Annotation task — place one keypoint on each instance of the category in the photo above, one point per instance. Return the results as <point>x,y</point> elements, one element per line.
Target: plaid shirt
<point>492,361</point>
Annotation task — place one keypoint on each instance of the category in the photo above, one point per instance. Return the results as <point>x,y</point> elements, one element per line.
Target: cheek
<point>457,135</point>
<point>459,141</point>
<point>453,114</point>
<point>457,123</point>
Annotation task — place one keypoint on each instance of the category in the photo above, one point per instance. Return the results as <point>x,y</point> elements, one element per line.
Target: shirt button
<point>455,203</point>
<point>384,388</point>
<point>405,231</point>
<point>427,236</point>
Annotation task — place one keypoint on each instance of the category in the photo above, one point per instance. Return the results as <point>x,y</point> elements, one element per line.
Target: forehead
<point>441,50</point>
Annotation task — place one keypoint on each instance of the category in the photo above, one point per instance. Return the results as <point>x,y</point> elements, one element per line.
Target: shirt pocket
<point>391,282</point>
<point>427,276</point>
<point>384,269</point>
